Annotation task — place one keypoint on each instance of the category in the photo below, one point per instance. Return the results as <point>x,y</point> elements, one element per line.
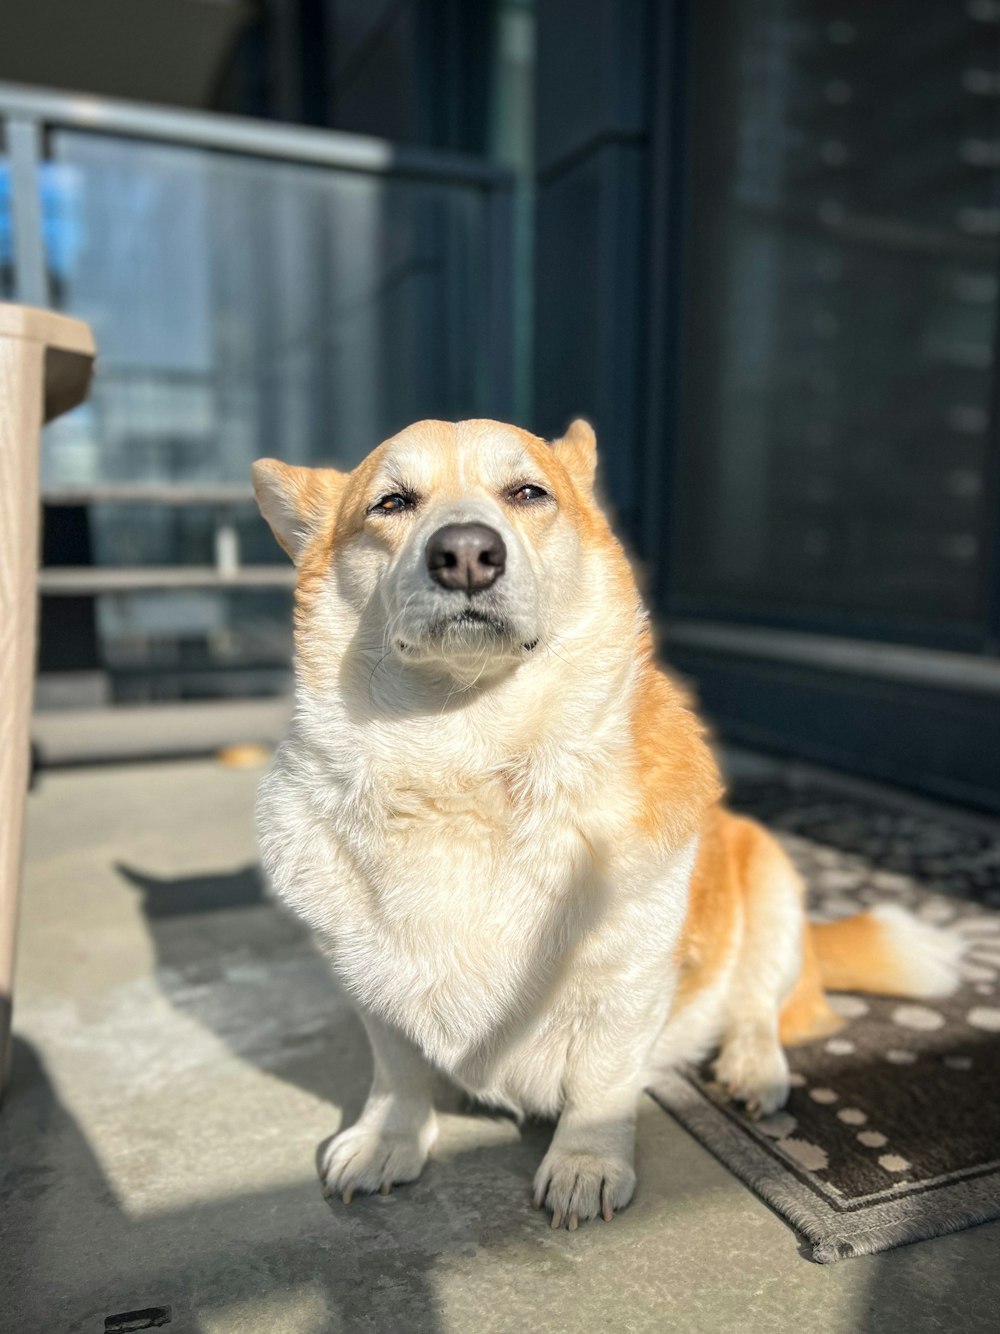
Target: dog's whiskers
<point>388,634</point>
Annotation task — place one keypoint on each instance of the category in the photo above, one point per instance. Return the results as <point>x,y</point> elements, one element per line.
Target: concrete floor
<point>181,1053</point>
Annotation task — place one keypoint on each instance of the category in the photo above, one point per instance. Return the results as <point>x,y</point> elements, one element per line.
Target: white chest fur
<point>480,920</point>
<point>445,912</point>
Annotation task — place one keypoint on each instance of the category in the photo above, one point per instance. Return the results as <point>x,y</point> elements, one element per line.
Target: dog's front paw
<point>577,1186</point>
<point>363,1160</point>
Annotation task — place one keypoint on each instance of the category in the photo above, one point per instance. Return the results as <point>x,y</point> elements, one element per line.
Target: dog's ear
<point>296,501</point>
<point>577,451</point>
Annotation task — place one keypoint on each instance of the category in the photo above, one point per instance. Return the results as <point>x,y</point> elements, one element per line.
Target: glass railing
<point>254,289</point>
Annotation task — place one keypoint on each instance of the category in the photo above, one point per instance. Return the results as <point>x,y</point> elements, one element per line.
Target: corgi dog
<point>502,819</point>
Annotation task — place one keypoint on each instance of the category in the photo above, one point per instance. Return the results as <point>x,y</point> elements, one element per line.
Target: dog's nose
<point>466,557</point>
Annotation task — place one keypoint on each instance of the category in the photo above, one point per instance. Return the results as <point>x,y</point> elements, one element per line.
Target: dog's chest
<point>466,915</point>
<point>430,818</point>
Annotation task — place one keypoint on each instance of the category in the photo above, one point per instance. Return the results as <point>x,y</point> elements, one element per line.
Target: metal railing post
<point>227,543</point>
<point>24,149</point>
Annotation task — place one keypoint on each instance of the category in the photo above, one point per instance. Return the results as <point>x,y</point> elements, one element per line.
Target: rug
<point>892,1130</point>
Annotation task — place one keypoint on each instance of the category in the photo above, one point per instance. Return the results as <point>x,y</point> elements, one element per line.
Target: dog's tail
<point>886,952</point>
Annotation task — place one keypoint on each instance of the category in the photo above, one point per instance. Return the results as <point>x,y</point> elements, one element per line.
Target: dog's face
<point>458,545</point>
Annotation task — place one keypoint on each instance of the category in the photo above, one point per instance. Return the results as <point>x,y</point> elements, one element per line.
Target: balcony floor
<point>181,1052</point>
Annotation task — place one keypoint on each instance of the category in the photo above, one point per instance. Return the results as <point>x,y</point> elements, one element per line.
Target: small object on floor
<point>150,1317</point>
<point>890,1133</point>
<point>246,755</point>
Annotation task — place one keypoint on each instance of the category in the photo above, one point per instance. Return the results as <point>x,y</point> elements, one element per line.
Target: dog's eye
<point>393,503</point>
<point>522,495</point>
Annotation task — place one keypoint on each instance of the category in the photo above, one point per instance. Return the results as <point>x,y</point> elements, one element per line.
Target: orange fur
<point>857,954</point>
<point>715,907</point>
<point>675,771</point>
<point>807,1014</point>
<point>733,875</point>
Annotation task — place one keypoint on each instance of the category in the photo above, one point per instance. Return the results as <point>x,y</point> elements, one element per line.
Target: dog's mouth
<point>471,616</point>
<point>472,626</point>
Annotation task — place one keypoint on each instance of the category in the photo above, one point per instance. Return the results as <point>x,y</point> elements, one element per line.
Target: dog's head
<point>456,545</point>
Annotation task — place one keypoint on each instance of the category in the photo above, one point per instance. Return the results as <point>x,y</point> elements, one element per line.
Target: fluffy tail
<point>888,952</point>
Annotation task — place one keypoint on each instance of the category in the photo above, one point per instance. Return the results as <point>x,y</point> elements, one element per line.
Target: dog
<point>502,819</point>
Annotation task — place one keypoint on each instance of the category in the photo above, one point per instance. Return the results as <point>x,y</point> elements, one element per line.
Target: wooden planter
<point>45,366</point>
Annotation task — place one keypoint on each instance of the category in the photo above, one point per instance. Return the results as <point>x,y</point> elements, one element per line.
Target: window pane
<point>841,308</point>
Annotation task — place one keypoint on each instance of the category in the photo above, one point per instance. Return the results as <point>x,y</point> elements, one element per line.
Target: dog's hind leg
<point>390,1141</point>
<point>751,1064</point>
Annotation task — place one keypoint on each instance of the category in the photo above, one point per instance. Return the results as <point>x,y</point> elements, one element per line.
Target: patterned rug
<point>892,1130</point>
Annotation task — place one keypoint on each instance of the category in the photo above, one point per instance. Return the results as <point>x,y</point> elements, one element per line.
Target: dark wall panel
<point>589,239</point>
<point>939,741</point>
<point>590,67</point>
<point>587,316</point>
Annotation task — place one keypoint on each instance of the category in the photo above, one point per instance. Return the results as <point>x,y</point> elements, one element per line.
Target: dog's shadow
<point>231,958</point>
